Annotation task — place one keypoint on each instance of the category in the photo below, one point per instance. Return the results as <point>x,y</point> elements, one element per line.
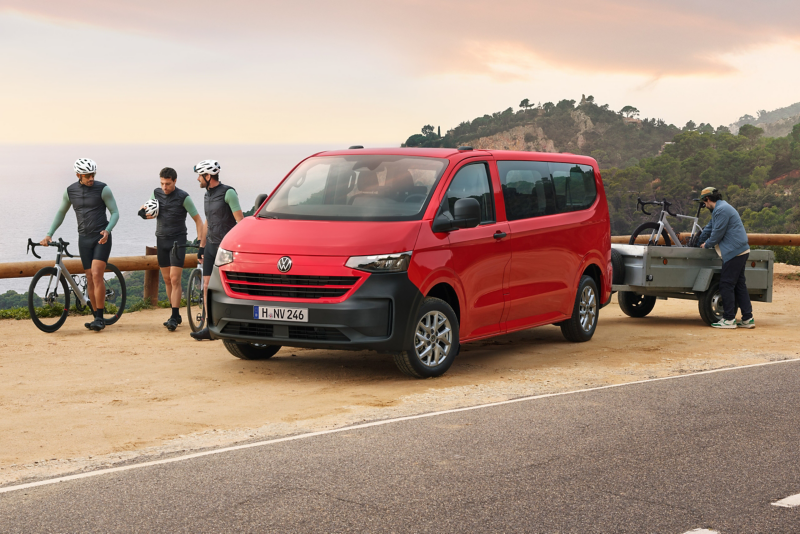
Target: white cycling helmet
<point>207,166</point>
<point>85,166</point>
<point>151,207</point>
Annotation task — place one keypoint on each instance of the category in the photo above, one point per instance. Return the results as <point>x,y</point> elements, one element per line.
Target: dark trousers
<point>733,290</point>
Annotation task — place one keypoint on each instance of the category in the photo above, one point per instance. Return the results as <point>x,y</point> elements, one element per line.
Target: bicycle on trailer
<point>662,229</point>
<point>195,306</point>
<point>48,294</point>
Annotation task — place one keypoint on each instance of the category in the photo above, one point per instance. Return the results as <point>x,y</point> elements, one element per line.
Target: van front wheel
<point>581,326</point>
<point>434,341</point>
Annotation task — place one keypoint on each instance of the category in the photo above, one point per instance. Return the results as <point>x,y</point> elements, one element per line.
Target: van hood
<point>321,238</point>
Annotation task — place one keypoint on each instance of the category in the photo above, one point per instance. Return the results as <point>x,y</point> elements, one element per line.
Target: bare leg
<point>99,293</point>
<point>165,275</point>
<point>175,274</point>
<point>90,288</point>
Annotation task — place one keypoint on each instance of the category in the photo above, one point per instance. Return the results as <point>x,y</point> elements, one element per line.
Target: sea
<point>36,177</point>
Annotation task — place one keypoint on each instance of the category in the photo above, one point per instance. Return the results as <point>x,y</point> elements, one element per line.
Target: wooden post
<point>151,280</point>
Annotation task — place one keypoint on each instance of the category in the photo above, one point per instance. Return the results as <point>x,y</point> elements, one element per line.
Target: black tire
<point>581,326</point>
<point>195,309</point>
<point>649,228</point>
<point>248,351</point>
<point>51,299</point>
<point>635,305</point>
<point>617,267</point>
<point>710,304</point>
<point>411,362</point>
<point>116,294</point>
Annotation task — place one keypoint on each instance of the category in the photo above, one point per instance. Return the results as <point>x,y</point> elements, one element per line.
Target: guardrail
<point>763,240</point>
<point>148,264</point>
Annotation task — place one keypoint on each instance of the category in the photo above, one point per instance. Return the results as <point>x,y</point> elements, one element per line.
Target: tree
<point>525,104</point>
<point>690,126</point>
<point>548,107</point>
<point>750,132</point>
<point>629,111</point>
<point>590,99</point>
<point>427,130</point>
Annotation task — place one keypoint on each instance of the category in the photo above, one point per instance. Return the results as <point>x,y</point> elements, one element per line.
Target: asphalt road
<point>704,451</point>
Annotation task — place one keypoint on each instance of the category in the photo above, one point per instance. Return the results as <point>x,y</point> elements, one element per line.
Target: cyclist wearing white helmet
<point>222,213</point>
<point>171,207</point>
<point>90,199</point>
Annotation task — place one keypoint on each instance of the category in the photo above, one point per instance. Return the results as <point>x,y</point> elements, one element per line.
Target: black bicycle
<point>195,305</point>
<point>48,294</point>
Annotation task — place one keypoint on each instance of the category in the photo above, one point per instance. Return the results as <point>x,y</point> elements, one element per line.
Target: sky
<point>367,72</point>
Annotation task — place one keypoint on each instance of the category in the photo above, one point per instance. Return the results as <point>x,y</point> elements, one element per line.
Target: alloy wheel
<point>588,309</point>
<point>433,338</point>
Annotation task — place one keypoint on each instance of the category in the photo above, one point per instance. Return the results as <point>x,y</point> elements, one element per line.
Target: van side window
<point>574,185</point>
<point>472,181</point>
<point>527,189</point>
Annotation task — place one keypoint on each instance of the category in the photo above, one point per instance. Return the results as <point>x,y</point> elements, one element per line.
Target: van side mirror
<point>466,214</point>
<point>260,200</point>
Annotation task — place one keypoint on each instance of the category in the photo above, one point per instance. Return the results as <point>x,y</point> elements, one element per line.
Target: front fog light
<point>224,257</point>
<point>382,263</point>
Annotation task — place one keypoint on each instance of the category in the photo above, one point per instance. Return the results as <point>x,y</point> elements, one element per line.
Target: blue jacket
<point>726,230</point>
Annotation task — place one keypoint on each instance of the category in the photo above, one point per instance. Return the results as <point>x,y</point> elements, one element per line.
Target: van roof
<point>450,152</point>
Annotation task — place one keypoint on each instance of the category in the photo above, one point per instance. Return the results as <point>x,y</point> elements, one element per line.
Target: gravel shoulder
<point>77,400</point>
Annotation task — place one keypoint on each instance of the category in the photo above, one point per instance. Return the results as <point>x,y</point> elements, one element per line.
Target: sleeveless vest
<point>218,214</point>
<point>171,220</point>
<point>90,209</point>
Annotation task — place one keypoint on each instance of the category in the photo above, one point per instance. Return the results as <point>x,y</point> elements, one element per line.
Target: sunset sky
<point>353,71</point>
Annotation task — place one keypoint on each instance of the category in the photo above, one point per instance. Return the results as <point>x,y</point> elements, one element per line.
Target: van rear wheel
<point>434,341</point>
<point>251,351</point>
<point>581,326</point>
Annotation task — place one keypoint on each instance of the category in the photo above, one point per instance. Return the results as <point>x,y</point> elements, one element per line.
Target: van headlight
<point>224,257</point>
<point>382,263</point>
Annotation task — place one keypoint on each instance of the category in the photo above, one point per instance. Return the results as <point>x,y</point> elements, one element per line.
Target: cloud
<point>502,39</point>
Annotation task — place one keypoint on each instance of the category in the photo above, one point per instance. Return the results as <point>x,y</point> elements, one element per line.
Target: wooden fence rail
<point>760,240</point>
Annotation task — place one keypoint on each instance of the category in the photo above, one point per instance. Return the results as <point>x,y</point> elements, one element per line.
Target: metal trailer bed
<point>659,272</point>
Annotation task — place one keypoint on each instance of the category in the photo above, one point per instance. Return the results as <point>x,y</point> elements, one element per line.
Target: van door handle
<point>499,235</point>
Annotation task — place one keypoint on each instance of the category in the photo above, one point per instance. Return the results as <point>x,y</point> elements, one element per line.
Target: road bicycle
<point>195,306</point>
<point>48,294</point>
<point>662,229</point>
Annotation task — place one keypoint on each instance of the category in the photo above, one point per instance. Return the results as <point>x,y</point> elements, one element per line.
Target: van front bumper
<point>377,316</point>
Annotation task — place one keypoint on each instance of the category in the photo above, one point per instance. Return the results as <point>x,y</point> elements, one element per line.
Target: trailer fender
<point>703,280</point>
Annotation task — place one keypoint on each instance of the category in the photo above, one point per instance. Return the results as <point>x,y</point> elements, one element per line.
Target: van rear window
<point>537,188</point>
<point>357,188</point>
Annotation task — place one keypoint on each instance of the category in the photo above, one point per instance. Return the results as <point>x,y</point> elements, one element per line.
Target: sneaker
<point>177,319</point>
<point>171,324</point>
<point>724,323</point>
<point>97,325</point>
<point>201,335</point>
<point>750,323</point>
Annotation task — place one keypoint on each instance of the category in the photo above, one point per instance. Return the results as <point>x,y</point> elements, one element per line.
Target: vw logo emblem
<point>284,264</point>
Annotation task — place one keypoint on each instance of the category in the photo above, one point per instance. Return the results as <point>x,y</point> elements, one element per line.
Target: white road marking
<point>789,502</point>
<point>702,531</point>
<point>8,489</point>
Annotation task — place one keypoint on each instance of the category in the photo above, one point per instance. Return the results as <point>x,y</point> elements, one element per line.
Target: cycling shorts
<point>164,251</point>
<point>91,250</point>
<point>209,256</point>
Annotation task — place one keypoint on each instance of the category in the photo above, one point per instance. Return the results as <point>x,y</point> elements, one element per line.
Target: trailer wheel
<point>617,267</point>
<point>648,229</point>
<point>635,305</point>
<point>710,304</point>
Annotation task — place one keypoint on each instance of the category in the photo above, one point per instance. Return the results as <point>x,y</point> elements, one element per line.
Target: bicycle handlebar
<point>60,245</point>
<point>664,205</point>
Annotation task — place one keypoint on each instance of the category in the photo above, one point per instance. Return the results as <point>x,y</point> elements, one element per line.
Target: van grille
<point>296,292</point>
<point>313,333</point>
<point>290,286</point>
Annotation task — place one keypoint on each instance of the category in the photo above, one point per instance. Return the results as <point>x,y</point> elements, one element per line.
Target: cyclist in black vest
<point>90,199</point>
<point>173,206</point>
<point>222,213</point>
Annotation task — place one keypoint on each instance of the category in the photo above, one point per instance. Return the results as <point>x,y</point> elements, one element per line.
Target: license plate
<point>295,315</point>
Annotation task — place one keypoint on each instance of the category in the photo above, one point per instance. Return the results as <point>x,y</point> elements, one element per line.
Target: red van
<point>413,251</point>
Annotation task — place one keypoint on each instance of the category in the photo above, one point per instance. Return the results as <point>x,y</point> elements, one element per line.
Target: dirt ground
<point>76,400</point>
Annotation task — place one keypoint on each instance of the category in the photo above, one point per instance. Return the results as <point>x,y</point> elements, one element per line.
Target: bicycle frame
<point>663,224</point>
<point>61,270</point>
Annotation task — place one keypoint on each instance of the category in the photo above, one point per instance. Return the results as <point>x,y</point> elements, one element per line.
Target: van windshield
<point>357,188</point>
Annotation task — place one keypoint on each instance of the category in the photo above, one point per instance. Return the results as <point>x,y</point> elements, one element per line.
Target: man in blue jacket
<point>727,235</point>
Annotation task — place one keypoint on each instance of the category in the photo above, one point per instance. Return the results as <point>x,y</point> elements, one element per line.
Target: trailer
<point>643,274</point>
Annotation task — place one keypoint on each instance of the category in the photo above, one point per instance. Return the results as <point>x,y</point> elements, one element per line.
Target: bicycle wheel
<point>116,294</point>
<point>649,229</point>
<point>48,300</point>
<point>195,308</point>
